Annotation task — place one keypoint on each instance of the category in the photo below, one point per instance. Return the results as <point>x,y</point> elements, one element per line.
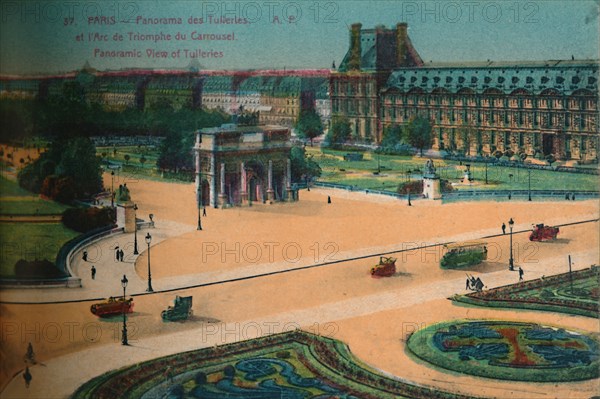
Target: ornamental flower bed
<point>573,293</point>
<point>509,350</point>
<point>296,364</point>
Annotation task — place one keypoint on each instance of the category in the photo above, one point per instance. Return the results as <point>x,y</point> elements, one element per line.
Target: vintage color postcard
<point>299,199</point>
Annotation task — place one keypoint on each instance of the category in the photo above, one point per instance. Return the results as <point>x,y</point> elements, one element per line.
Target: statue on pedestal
<point>429,168</point>
<point>123,194</point>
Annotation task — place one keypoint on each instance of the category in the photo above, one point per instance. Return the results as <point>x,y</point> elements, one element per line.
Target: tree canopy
<point>419,133</point>
<point>303,166</point>
<point>69,169</point>
<point>340,130</point>
<point>309,125</point>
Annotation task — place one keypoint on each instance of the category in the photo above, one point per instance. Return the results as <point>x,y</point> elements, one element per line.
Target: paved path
<point>74,369</point>
<point>108,270</point>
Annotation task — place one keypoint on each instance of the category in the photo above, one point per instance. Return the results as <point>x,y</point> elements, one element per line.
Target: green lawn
<point>134,169</point>
<point>10,188</point>
<point>394,170</point>
<point>134,153</point>
<point>16,201</point>
<point>30,241</point>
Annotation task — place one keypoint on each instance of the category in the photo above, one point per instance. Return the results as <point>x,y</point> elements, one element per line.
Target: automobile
<point>543,233</point>
<point>181,309</point>
<point>462,254</point>
<point>112,306</point>
<point>385,268</point>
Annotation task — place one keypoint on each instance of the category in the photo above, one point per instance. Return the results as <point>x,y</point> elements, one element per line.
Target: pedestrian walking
<point>121,255</point>
<point>573,197</point>
<point>567,196</point>
<point>521,273</point>
<point>329,199</point>
<point>468,284</point>
<point>93,272</point>
<point>27,376</point>
<point>84,256</point>
<point>204,211</point>
<point>509,196</point>
<point>117,253</point>
<point>30,355</point>
<point>503,228</point>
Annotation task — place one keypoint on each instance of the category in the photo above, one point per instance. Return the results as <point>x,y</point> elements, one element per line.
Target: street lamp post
<point>124,282</point>
<point>511,262</point>
<point>199,209</point>
<point>529,169</point>
<point>112,189</point>
<point>148,241</point>
<point>135,246</point>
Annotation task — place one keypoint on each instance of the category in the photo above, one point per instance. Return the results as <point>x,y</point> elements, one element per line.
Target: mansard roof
<point>388,46</point>
<point>535,77</point>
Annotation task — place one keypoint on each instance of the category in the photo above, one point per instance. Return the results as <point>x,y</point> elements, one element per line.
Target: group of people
<point>474,283</point>
<point>119,254</point>
<point>570,197</point>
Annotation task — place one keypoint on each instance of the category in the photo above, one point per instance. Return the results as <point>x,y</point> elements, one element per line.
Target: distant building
<point>372,56</point>
<point>238,165</point>
<point>533,108</point>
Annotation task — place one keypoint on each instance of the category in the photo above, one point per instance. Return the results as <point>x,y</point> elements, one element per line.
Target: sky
<point>58,36</point>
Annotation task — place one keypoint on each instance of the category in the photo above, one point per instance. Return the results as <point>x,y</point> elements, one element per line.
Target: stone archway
<point>256,181</point>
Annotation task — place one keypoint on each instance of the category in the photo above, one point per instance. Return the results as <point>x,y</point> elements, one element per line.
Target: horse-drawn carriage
<point>543,233</point>
<point>385,268</point>
<point>112,307</point>
<point>181,309</point>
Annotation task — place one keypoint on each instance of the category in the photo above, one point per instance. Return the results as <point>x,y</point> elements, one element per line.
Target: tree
<point>127,157</point>
<point>303,166</point>
<point>340,130</point>
<point>143,160</point>
<point>419,133</point>
<point>309,125</point>
<point>176,152</point>
<point>392,136</point>
<point>74,164</point>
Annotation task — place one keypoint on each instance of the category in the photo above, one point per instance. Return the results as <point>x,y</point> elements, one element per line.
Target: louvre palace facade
<point>476,108</point>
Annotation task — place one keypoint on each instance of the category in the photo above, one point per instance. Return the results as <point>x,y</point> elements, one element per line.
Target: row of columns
<point>244,182</point>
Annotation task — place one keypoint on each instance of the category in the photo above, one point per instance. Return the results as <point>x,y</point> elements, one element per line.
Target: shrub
<point>37,269</point>
<point>446,186</point>
<point>84,220</point>
<point>61,189</point>
<point>415,187</point>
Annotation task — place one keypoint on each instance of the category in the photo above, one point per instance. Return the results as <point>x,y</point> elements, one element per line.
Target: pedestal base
<point>432,188</point>
<point>222,200</point>
<point>290,195</point>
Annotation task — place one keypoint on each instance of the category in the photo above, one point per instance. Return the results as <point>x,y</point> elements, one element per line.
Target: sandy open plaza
<point>239,271</point>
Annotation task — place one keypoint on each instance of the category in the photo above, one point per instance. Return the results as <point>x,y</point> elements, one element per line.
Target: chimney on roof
<point>401,44</point>
<point>355,47</point>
